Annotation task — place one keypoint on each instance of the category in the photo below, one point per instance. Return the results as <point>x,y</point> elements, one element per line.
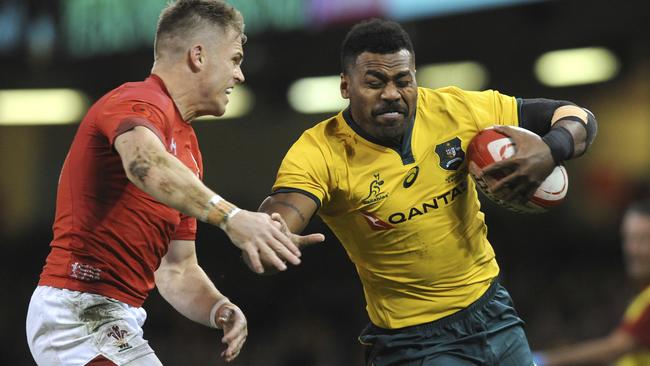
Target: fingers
<point>306,240</point>
<point>514,188</point>
<point>235,329</point>
<point>298,240</point>
<point>506,130</point>
<point>277,218</point>
<point>288,250</point>
<point>498,168</point>
<point>269,255</point>
<point>252,259</point>
<point>284,229</point>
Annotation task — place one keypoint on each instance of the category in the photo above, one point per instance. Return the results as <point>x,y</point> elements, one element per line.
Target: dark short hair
<point>375,36</point>
<point>186,16</point>
<point>641,206</point>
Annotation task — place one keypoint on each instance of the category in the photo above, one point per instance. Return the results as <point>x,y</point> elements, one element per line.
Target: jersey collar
<point>156,79</point>
<point>403,149</point>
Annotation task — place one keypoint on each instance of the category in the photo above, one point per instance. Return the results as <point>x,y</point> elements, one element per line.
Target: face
<point>220,70</point>
<point>383,93</point>
<point>636,245</point>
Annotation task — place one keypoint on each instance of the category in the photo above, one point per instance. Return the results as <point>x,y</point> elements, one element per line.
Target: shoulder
<point>325,132</point>
<point>640,303</point>
<point>643,297</point>
<point>453,93</point>
<point>141,94</point>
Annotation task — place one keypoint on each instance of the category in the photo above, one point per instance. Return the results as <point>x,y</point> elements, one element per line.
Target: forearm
<point>189,291</point>
<point>167,180</point>
<point>295,214</point>
<point>600,351</point>
<point>579,125</point>
<point>567,129</point>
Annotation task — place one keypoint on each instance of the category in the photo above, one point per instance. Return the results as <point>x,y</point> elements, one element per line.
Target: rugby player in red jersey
<point>629,343</point>
<point>129,195</point>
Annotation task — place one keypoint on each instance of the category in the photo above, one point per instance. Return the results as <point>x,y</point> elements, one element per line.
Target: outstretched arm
<point>161,175</point>
<point>183,283</point>
<point>292,211</point>
<point>598,351</point>
<point>295,208</point>
<point>568,131</point>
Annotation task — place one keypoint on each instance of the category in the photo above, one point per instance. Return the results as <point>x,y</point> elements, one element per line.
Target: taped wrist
<point>213,312</point>
<point>219,211</point>
<point>560,141</point>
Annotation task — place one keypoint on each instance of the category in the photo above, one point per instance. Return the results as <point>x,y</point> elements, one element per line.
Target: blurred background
<point>564,269</point>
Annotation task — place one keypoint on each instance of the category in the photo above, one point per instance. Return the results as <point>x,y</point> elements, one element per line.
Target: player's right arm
<point>296,209</point>
<point>598,351</point>
<point>161,175</point>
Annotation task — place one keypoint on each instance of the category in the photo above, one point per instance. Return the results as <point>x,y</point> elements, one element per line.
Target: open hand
<point>300,241</point>
<point>235,329</point>
<point>261,241</point>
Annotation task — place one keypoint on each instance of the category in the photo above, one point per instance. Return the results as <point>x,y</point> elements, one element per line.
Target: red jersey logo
<point>375,222</point>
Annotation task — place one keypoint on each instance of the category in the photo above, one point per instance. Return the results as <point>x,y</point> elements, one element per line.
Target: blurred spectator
<point>629,343</point>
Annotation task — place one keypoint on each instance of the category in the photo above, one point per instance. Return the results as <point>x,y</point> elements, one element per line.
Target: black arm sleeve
<point>535,114</point>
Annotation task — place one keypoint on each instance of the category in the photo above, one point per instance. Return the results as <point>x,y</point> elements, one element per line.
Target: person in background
<point>629,343</point>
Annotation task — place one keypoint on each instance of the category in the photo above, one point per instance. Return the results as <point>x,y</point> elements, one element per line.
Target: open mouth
<point>229,90</point>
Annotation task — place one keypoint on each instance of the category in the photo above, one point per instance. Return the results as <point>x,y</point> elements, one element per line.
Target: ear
<point>196,57</point>
<point>345,83</point>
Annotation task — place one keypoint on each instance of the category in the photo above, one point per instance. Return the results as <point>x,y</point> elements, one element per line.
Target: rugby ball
<point>490,146</point>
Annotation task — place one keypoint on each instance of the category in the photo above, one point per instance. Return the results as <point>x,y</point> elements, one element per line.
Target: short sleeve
<point>186,230</point>
<point>305,169</point>
<point>492,108</point>
<point>636,320</point>
<point>120,116</point>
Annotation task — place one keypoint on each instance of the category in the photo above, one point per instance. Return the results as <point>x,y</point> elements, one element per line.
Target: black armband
<point>560,141</point>
<point>591,127</point>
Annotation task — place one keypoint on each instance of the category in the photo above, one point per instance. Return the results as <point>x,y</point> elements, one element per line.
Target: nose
<point>390,92</point>
<point>239,75</point>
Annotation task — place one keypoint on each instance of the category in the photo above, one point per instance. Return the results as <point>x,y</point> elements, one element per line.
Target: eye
<point>374,84</point>
<point>403,83</point>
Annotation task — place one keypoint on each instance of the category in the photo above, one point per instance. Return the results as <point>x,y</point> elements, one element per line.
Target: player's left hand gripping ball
<point>490,146</point>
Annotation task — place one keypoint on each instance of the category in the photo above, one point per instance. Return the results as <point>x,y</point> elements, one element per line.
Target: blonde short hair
<point>186,17</point>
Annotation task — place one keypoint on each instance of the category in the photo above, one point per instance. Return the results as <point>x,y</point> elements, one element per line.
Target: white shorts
<point>69,328</point>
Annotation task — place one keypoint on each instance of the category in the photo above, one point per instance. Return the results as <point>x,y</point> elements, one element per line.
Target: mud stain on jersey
<point>345,139</point>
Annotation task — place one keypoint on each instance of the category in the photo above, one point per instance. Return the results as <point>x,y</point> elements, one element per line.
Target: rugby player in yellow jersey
<point>388,175</point>
<point>629,343</point>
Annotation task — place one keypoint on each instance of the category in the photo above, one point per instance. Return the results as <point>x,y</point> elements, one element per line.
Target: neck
<point>177,86</point>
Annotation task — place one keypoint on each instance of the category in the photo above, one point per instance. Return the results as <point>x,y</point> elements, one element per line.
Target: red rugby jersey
<point>109,236</point>
<point>636,320</point>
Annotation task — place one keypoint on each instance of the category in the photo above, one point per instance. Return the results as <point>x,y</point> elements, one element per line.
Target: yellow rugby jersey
<point>636,322</point>
<point>407,216</point>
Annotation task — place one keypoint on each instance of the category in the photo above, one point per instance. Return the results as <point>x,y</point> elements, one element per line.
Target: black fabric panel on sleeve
<point>535,114</point>
<point>297,190</point>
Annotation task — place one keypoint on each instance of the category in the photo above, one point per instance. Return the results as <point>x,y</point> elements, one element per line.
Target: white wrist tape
<point>213,311</point>
<point>228,216</point>
<point>215,199</point>
<point>211,203</point>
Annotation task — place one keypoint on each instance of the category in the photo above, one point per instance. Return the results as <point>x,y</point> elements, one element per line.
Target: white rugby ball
<point>490,146</point>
